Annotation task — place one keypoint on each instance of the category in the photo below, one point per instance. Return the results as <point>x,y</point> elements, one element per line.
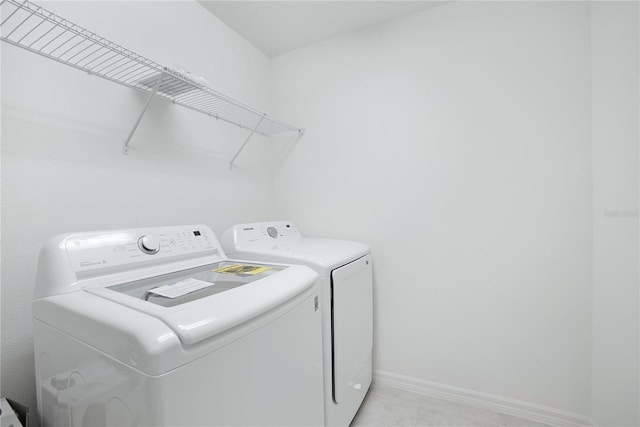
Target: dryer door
<point>352,318</point>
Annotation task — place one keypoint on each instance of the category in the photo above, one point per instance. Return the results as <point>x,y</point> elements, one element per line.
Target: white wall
<point>456,142</point>
<point>615,71</point>
<point>62,135</point>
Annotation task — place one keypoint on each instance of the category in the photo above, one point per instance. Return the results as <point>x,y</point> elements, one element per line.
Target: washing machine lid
<point>323,255</point>
<point>199,303</point>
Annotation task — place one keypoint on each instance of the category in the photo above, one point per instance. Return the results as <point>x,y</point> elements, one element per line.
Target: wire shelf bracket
<point>244,144</point>
<point>37,30</point>
<point>125,147</point>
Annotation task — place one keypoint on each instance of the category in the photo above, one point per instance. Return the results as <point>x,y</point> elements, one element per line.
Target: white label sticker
<point>181,288</point>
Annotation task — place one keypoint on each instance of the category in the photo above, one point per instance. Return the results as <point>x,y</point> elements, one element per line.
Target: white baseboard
<point>505,405</point>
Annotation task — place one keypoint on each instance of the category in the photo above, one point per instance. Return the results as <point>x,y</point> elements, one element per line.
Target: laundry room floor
<point>386,407</point>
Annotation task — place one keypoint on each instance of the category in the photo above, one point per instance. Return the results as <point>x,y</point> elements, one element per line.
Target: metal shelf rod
<point>125,147</point>
<point>246,141</point>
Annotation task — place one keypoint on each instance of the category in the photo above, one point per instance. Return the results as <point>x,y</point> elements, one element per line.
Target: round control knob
<point>149,244</point>
<point>271,231</point>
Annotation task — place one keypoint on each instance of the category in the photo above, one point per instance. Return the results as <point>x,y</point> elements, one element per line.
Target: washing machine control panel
<point>128,248</point>
<point>264,235</point>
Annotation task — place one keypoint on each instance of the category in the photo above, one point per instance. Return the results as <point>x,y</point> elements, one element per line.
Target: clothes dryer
<point>346,287</point>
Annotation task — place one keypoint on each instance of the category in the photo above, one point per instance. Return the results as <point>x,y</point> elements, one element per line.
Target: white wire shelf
<point>31,27</point>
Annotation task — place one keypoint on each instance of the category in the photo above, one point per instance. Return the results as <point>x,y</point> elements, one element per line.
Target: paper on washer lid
<point>181,288</point>
<point>243,269</point>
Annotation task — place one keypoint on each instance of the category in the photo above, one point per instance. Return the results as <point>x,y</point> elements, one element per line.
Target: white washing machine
<point>346,288</point>
<point>156,327</point>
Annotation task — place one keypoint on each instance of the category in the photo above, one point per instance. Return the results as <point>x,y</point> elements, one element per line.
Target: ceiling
<point>276,27</point>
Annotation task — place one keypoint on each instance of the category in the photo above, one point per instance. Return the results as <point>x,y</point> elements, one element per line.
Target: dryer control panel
<point>262,235</point>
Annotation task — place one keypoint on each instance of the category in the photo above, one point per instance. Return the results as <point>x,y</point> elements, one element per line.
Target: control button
<point>149,244</point>
<point>272,232</point>
<point>172,242</point>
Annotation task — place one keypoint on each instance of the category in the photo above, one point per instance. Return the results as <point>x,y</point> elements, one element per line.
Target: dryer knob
<point>149,244</point>
<point>272,231</point>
